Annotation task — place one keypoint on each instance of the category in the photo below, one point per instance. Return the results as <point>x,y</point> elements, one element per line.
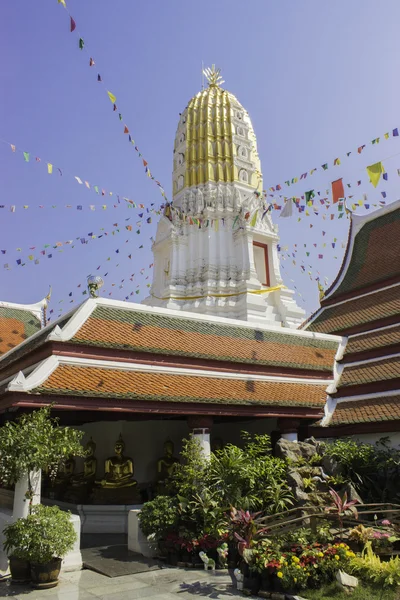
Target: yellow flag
<point>386,136</point>
<point>63,3</point>
<point>374,172</point>
<point>254,219</point>
<point>49,168</point>
<point>112,97</point>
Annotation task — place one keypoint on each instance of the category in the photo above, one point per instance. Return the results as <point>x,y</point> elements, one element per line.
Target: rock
<point>278,596</point>
<point>293,451</point>
<point>351,493</point>
<point>289,450</point>
<point>331,466</point>
<point>295,480</point>
<point>301,497</point>
<point>346,582</point>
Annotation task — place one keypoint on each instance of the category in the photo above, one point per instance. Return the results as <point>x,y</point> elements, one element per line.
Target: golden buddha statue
<point>89,467</point>
<point>166,464</point>
<point>65,471</point>
<point>118,469</point>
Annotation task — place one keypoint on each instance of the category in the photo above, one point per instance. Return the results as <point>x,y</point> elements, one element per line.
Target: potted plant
<point>16,546</point>
<point>48,535</point>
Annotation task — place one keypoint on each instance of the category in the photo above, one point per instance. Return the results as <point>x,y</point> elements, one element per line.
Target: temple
<point>217,346</point>
<point>215,251</point>
<point>363,306</point>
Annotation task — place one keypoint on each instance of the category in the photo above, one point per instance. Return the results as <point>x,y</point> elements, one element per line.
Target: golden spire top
<point>213,76</point>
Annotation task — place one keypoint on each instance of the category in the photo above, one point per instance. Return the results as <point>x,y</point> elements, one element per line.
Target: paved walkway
<point>165,584</point>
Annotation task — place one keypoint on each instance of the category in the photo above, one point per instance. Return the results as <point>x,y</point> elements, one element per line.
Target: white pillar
<point>290,437</point>
<point>203,437</point>
<point>21,501</point>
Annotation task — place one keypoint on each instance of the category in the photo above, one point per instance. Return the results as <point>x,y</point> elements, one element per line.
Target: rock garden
<point>307,520</point>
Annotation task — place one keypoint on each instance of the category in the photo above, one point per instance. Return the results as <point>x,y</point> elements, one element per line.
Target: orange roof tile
<point>386,408</point>
<point>16,325</point>
<point>371,340</point>
<point>379,370</point>
<point>137,385</point>
<point>162,334</point>
<point>367,309</point>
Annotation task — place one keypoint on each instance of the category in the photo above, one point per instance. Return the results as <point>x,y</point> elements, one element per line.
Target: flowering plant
<point>308,566</point>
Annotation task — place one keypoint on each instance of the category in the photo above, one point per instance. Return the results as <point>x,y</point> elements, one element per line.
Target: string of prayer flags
<point>336,162</point>
<point>50,167</point>
<point>374,172</point>
<point>112,98</point>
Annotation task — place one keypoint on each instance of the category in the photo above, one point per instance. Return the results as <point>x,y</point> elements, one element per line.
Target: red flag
<point>145,163</point>
<point>126,130</point>
<point>91,62</point>
<point>337,190</point>
<point>73,25</point>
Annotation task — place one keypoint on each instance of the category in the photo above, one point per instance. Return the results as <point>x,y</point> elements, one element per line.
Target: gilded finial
<point>213,76</point>
<point>321,290</point>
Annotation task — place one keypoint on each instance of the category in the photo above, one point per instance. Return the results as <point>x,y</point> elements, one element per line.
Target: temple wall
<point>144,440</point>
<point>371,438</point>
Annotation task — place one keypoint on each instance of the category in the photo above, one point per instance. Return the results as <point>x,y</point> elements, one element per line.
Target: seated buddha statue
<point>165,465</point>
<point>65,471</point>
<point>89,467</point>
<point>118,471</point>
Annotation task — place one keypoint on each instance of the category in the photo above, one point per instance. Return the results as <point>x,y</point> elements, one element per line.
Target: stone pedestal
<point>200,429</point>
<point>137,541</point>
<point>122,495</point>
<point>73,560</point>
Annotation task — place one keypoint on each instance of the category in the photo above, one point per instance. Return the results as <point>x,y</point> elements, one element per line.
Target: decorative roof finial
<point>213,76</point>
<point>95,282</point>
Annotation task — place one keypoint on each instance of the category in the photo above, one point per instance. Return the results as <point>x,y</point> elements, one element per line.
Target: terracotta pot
<point>45,576</point>
<point>20,570</point>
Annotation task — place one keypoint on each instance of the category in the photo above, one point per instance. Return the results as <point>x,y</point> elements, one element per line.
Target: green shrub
<point>158,517</point>
<point>373,469</point>
<point>44,534</point>
<point>250,477</point>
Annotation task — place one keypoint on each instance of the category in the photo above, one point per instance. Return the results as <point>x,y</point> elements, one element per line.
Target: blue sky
<point>318,79</point>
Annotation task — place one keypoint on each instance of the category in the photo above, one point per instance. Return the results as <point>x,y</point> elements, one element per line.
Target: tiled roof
<point>371,340</point>
<point>162,334</point>
<point>138,385</point>
<point>386,408</point>
<point>368,372</point>
<point>376,254</point>
<point>16,325</point>
<point>31,344</point>
<point>373,307</point>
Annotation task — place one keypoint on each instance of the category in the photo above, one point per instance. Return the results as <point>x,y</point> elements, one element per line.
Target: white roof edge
<point>20,383</point>
<point>357,223</point>
<point>35,335</point>
<point>75,322</point>
<point>36,309</point>
<point>178,314</point>
<point>369,396</point>
<point>370,360</point>
<point>46,368</point>
<point>374,330</point>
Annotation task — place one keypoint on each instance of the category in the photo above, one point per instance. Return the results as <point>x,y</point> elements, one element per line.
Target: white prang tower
<point>215,251</point>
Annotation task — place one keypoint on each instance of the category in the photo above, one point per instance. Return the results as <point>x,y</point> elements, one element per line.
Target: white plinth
<point>73,560</point>
<point>137,541</point>
<point>5,519</point>
<point>104,518</point>
<point>290,437</point>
